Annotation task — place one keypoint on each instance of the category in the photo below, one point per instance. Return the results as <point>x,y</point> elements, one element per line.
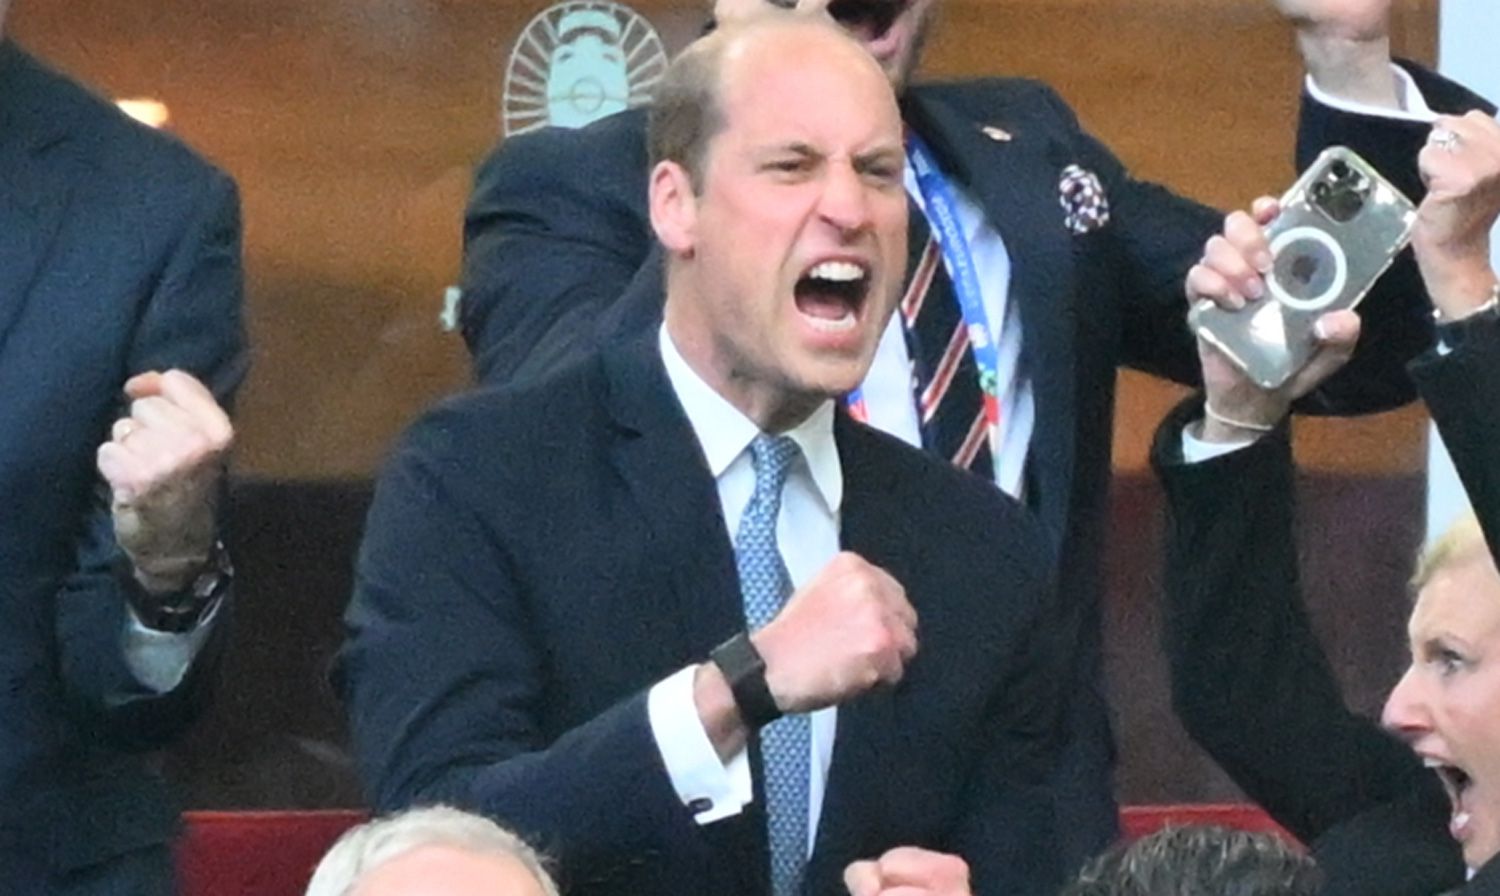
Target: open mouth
<point>1458,783</point>
<point>866,20</point>
<point>831,293</point>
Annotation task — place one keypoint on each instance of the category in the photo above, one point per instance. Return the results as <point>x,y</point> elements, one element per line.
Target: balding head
<point>688,107</point>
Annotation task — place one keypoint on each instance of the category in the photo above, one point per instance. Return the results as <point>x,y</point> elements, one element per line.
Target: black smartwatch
<point>745,671</point>
<point>179,611</point>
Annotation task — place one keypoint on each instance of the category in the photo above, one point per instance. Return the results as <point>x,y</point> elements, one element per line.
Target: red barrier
<point>274,853</point>
<point>255,853</point>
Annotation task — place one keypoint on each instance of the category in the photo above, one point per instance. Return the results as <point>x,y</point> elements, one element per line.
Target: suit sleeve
<point>190,319</point>
<point>1462,391</point>
<point>1396,314</point>
<point>1153,237</point>
<point>445,678</point>
<point>554,235</point>
<point>1249,680</point>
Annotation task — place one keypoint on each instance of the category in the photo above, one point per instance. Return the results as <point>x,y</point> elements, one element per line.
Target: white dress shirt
<point>807,533</point>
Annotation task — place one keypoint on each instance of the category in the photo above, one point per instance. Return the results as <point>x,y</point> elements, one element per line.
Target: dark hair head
<point>686,112</point>
<point>1199,860</point>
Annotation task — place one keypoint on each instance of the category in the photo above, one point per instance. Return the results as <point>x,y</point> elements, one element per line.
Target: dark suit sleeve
<point>554,234</point>
<point>445,680</point>
<point>1153,236</point>
<point>1249,680</point>
<point>191,320</point>
<point>1462,392</point>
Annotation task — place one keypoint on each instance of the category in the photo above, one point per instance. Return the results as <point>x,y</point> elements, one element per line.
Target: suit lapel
<point>659,459</point>
<point>36,187</point>
<point>1003,177</point>
<point>854,801</point>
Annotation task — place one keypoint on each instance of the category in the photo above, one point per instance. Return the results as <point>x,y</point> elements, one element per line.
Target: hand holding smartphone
<point>1341,225</point>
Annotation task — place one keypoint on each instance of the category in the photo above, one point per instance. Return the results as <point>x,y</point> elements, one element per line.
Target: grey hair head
<point>366,847</point>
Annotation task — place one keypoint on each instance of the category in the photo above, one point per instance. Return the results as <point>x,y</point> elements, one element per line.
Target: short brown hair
<point>686,111</point>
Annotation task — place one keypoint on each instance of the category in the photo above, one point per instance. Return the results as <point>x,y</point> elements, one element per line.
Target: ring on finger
<point>1445,139</point>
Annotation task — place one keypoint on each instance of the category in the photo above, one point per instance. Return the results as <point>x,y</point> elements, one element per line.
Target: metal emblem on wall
<point>578,61</point>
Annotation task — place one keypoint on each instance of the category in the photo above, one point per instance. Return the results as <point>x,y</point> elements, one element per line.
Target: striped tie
<point>945,378</point>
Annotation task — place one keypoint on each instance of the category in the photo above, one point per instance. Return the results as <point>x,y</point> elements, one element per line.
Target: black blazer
<point>537,557</point>
<point>1252,685</point>
<point>549,251</point>
<point>119,252</point>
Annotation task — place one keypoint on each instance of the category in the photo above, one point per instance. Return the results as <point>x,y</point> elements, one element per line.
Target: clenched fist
<point>163,464</point>
<point>842,633</point>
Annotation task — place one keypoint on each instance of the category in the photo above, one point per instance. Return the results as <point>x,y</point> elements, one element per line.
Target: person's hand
<point>842,633</point>
<point>1357,20</point>
<point>1235,399</point>
<point>163,464</point>
<point>908,871</point>
<point>1461,166</point>
<point>1234,263</point>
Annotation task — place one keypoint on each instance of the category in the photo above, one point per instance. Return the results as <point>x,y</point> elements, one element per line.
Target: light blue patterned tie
<point>785,744</point>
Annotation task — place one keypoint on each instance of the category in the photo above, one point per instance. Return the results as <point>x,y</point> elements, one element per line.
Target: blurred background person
<point>120,345</point>
<point>1199,860</point>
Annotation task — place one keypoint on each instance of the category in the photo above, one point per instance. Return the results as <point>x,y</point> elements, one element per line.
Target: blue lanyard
<point>942,212</point>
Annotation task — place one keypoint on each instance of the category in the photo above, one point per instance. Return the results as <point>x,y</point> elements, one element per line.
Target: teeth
<point>1432,763</point>
<point>837,271</point>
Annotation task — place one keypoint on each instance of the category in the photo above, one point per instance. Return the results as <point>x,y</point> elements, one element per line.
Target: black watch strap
<point>745,671</point>
<point>180,611</point>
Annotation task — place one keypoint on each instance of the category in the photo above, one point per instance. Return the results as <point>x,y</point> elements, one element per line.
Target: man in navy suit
<point>1080,269</point>
<point>553,626</point>
<point>120,341</point>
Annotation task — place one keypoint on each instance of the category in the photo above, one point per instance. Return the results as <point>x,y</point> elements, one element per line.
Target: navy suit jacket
<point>119,252</point>
<point>549,251</point>
<point>537,557</point>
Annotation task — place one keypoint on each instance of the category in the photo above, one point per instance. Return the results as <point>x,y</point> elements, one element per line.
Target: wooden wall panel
<point>352,127</point>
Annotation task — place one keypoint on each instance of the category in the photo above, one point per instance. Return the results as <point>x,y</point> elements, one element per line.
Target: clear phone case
<point>1341,224</point>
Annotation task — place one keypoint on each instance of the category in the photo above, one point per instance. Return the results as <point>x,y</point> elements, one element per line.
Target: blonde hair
<point>366,847</point>
<point>1460,541</point>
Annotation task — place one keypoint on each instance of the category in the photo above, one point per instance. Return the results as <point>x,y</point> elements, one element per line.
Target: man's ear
<point>674,208</point>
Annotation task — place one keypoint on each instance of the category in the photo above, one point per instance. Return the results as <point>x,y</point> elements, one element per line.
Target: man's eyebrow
<point>881,154</point>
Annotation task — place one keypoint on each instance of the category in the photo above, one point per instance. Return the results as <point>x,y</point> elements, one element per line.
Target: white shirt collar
<point>725,433</point>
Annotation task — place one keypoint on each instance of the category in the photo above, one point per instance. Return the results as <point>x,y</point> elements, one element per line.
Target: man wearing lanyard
<point>1077,268</point>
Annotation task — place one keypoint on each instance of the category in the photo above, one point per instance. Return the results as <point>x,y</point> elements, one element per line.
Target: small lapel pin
<point>999,135</point>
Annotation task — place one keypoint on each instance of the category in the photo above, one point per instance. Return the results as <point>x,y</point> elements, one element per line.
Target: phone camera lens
<point>1339,170</point>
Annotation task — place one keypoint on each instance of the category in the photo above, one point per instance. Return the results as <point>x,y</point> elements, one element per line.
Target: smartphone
<point>1341,225</point>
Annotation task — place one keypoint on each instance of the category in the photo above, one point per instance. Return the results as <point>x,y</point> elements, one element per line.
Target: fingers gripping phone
<point>1341,224</point>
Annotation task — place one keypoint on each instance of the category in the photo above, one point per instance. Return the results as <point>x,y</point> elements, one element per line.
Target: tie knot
<point>772,457</point>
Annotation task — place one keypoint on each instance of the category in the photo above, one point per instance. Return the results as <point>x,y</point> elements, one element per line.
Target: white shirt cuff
<point>711,788</point>
<point>1413,105</point>
<point>159,660</point>
<point>1196,450</point>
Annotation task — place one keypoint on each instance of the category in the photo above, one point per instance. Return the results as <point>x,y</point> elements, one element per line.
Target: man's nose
<point>845,201</point>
